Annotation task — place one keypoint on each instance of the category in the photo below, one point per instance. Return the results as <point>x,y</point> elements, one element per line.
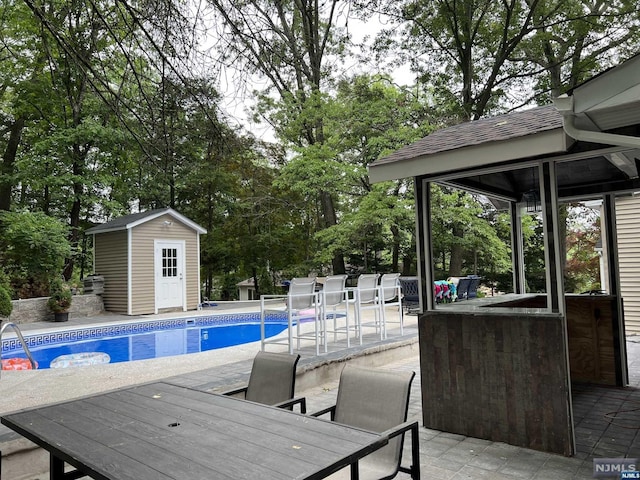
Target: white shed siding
<point>628,226</point>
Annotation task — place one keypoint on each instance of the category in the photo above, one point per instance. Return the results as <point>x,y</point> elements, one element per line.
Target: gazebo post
<point>517,249</point>
<point>424,243</point>
<point>619,334</point>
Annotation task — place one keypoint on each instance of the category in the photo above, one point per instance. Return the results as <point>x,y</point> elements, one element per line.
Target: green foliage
<point>582,267</point>
<point>35,247</point>
<point>465,235</point>
<point>104,128</point>
<point>481,58</point>
<point>60,296</point>
<point>5,301</point>
<point>534,262</point>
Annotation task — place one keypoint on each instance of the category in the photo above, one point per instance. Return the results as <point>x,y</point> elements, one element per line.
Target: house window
<point>169,262</point>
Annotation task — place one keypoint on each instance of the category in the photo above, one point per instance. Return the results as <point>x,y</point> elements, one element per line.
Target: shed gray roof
<point>485,130</point>
<point>129,221</point>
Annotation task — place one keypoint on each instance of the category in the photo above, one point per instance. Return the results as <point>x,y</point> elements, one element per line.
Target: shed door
<point>169,272</point>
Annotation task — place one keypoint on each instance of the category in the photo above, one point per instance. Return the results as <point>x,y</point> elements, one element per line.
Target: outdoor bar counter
<point>498,367</point>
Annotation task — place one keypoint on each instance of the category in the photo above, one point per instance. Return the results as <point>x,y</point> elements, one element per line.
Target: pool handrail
<point>20,338</point>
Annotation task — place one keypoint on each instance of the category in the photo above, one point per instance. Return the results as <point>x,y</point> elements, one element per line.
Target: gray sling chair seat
<point>377,400</point>
<point>272,381</point>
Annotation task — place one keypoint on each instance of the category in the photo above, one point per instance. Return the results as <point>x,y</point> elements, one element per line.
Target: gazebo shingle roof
<point>502,127</point>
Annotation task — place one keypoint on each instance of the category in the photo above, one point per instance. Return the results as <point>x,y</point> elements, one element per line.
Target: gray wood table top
<point>162,431</point>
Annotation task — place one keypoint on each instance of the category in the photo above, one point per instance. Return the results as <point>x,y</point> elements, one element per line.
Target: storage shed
<point>247,290</point>
<point>150,262</point>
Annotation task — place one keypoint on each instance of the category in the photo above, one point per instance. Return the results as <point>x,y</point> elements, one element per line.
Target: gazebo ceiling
<point>592,136</point>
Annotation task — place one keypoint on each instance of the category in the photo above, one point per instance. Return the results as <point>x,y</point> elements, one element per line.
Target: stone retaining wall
<point>36,310</point>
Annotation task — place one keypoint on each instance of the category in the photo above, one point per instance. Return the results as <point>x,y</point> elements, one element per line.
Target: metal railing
<point>20,338</point>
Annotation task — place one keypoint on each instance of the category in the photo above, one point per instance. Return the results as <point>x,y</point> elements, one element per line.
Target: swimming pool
<point>140,340</point>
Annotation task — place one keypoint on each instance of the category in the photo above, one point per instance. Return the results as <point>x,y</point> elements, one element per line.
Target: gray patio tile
<point>558,468</point>
<point>475,473</point>
<point>477,442</point>
<point>433,449</point>
<point>453,436</point>
<point>524,464</point>
<point>502,450</point>
<point>448,464</point>
<point>436,473</point>
<point>460,453</point>
<point>487,461</point>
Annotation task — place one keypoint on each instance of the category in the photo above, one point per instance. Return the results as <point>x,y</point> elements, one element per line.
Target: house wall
<point>627,209</point>
<point>111,262</point>
<point>142,258</point>
<point>246,292</point>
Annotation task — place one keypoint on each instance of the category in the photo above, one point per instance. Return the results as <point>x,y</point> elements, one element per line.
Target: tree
<point>34,247</point>
<point>465,235</point>
<point>21,81</point>
<point>482,57</point>
<point>288,44</point>
<point>571,43</point>
<point>582,270</point>
<point>367,117</point>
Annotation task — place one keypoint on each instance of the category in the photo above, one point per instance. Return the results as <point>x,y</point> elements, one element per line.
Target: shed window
<point>169,262</point>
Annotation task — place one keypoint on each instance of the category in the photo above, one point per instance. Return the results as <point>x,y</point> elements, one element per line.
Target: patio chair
<point>334,299</point>
<point>377,400</point>
<point>463,288</point>
<point>366,296</point>
<point>272,381</point>
<point>410,293</point>
<point>472,292</point>
<point>391,296</point>
<point>301,303</point>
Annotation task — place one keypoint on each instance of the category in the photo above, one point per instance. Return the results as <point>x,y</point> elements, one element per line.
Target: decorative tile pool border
<point>134,327</point>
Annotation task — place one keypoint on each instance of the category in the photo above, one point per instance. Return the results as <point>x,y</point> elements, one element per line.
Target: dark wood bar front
<point>501,376</point>
<point>594,336</point>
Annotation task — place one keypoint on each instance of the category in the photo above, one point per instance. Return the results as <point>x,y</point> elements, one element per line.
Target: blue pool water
<point>141,340</point>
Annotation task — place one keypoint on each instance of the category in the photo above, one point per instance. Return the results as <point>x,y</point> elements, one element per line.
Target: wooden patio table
<point>162,431</point>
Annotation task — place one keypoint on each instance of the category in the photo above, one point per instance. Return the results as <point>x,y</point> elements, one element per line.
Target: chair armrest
<point>400,429</point>
<point>294,401</point>
<point>235,391</point>
<point>324,411</point>
<point>414,469</point>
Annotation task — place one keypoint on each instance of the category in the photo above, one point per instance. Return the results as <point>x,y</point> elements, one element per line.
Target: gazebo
<point>502,368</point>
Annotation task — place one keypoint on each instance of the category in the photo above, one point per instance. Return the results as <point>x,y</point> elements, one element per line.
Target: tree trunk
<point>79,156</point>
<point>395,249</point>
<point>8,162</point>
<point>254,275</point>
<point>455,263</point>
<point>330,219</point>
